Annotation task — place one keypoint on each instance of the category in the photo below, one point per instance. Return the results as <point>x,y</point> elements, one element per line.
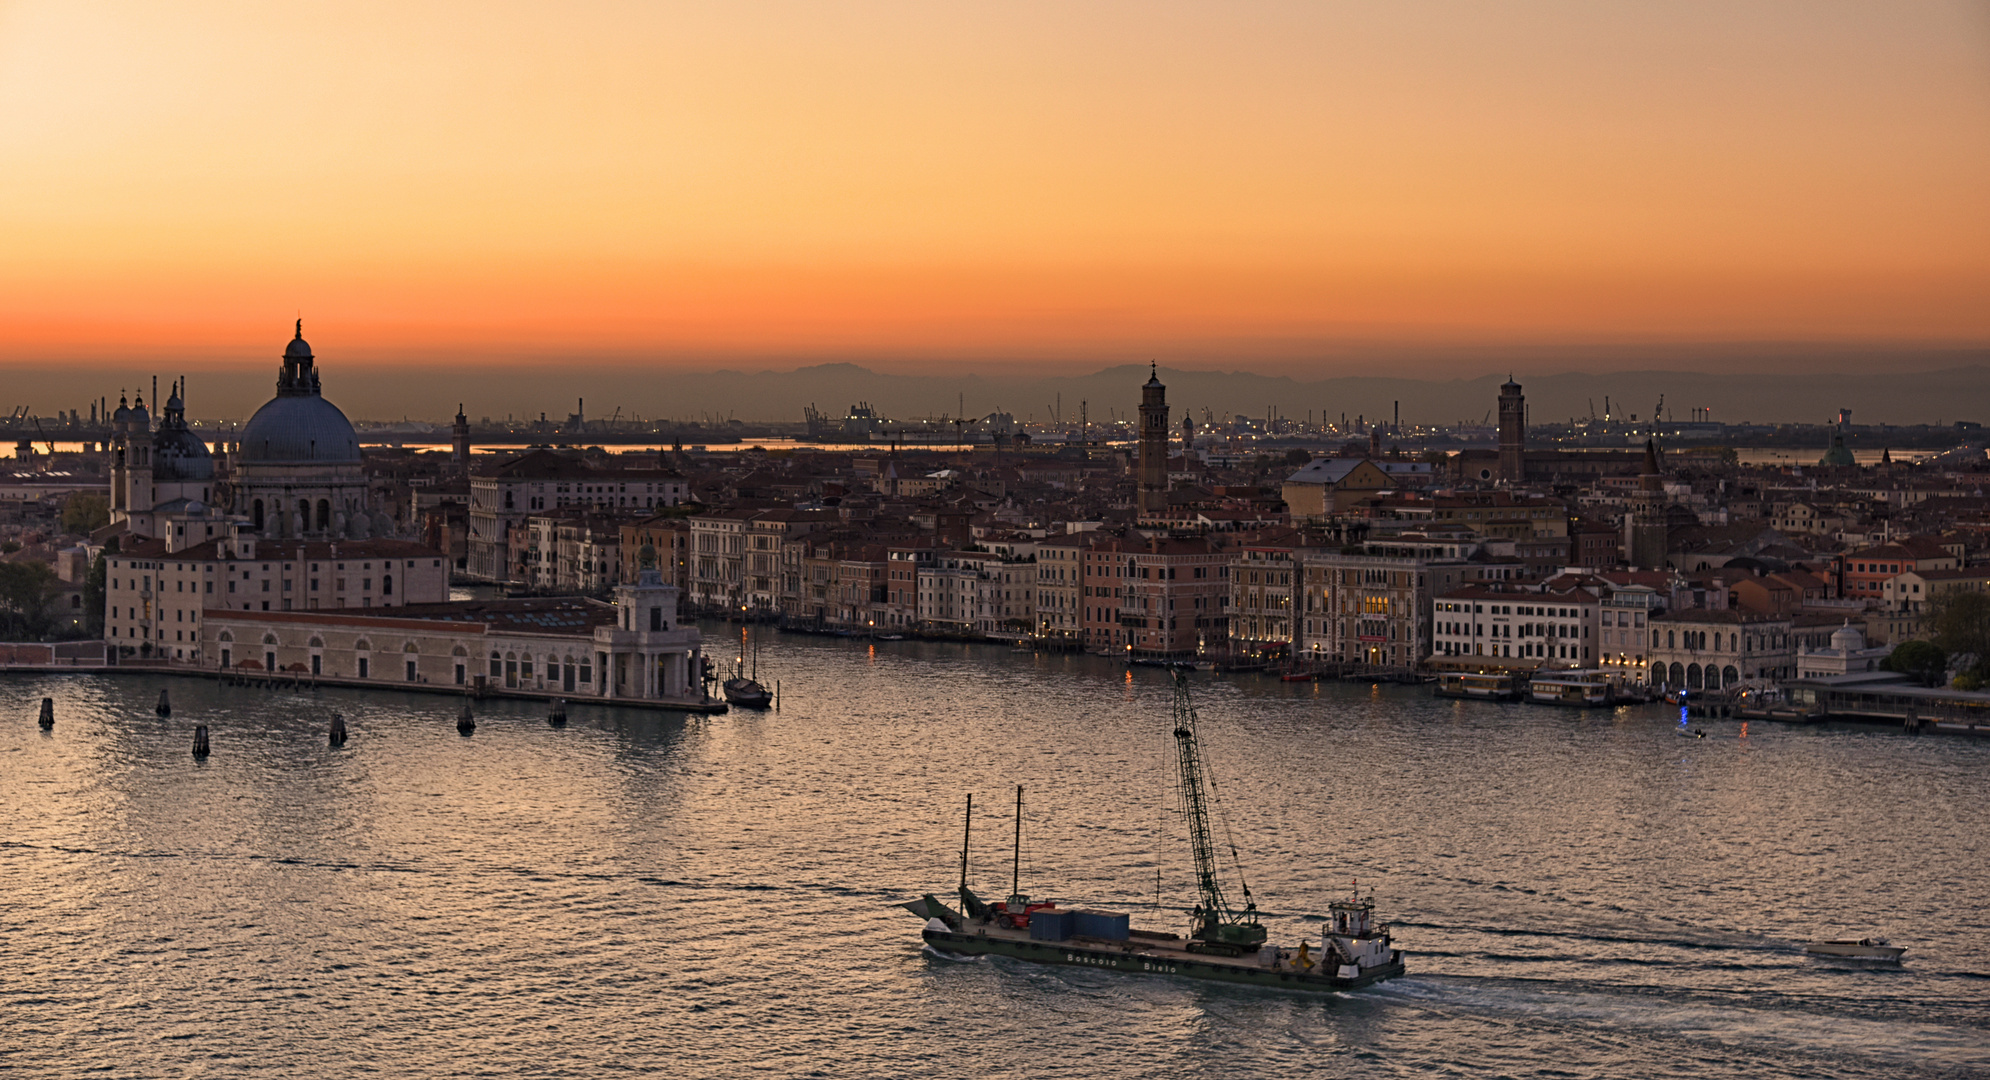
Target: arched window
<point>227,635</point>
<point>317,642</point>
<point>256,514</point>
<point>1693,676</point>
<point>411,647</point>
<point>324,514</point>
<point>497,665</point>
<point>1668,639</point>
<point>1713,675</point>
<point>362,645</point>
<point>269,639</point>
<point>386,584</point>
<point>1677,677</point>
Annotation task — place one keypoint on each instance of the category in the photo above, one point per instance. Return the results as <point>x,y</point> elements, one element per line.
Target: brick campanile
<point>1152,498</point>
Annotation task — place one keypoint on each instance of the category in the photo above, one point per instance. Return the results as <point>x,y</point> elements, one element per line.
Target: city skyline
<point>1300,190</point>
<point>1939,394</point>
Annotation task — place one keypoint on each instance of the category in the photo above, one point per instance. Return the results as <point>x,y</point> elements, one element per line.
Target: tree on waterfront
<point>1959,622</point>
<point>1924,660</point>
<point>25,589</point>
<point>94,587</point>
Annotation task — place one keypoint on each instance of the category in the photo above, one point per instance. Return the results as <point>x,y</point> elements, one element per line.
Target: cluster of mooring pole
<point>558,716</point>
<point>165,706</point>
<point>47,713</point>
<point>200,741</point>
<point>466,724</point>
<point>338,730</point>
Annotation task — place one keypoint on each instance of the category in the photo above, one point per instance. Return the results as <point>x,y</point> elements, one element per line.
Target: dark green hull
<point>1134,960</point>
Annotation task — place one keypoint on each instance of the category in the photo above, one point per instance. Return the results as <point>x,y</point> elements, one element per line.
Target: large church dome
<point>299,426</point>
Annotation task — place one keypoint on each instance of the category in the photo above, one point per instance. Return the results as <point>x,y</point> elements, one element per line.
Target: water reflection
<point>712,895</point>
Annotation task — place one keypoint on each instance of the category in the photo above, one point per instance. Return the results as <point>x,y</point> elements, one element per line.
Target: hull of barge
<point>1149,957</point>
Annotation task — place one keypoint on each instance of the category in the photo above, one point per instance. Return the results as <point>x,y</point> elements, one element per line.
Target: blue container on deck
<point>1109,925</point>
<point>1050,925</point>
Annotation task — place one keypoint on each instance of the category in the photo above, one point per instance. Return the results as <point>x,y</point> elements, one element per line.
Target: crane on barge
<point>1219,928</point>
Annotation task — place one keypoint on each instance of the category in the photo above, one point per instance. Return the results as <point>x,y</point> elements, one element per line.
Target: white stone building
<point>633,651</point>
<point>1846,655</point>
<point>157,600</point>
<point>950,591</point>
<point>1537,629</point>
<point>1704,649</point>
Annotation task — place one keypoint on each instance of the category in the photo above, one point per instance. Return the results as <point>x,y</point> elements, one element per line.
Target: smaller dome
<point>123,412</point>
<point>180,455</point>
<point>1848,639</point>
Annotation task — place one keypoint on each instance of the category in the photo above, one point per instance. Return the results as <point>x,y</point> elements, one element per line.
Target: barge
<point>1222,944</point>
<point>1480,685</point>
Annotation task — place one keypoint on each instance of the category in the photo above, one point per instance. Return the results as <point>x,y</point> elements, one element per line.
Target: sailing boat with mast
<point>745,690</point>
<point>1223,943</point>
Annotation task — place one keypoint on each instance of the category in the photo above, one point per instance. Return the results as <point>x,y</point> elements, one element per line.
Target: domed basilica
<point>298,473</point>
<point>295,474</point>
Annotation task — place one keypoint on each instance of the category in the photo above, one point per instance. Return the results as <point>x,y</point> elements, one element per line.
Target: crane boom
<point>1218,927</point>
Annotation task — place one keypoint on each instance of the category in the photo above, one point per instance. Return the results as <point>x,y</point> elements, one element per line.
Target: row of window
<point>1510,609</point>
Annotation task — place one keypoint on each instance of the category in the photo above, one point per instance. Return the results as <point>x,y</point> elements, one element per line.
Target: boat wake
<point>1793,1031</point>
<point>952,958</point>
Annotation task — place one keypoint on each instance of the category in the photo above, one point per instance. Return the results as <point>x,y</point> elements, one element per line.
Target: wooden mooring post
<point>338,730</point>
<point>47,713</point>
<point>200,746</point>
<point>557,716</point>
<point>466,722</point>
<point>165,706</point>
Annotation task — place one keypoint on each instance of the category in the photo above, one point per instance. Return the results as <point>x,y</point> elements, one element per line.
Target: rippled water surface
<point>1582,894</point>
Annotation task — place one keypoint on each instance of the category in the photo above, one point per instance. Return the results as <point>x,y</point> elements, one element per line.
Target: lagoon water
<point>1581,894</point>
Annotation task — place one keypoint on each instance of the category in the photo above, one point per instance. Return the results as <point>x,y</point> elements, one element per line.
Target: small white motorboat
<point>1856,948</point>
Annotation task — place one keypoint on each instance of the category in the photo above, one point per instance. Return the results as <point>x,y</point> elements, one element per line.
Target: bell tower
<point>1512,433</point>
<point>1152,497</point>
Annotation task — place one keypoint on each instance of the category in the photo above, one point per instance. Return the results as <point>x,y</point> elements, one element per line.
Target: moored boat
<point>743,689</point>
<point>1856,949</point>
<point>747,693</point>
<point>1223,943</point>
<point>1581,689</point>
<point>1485,685</point>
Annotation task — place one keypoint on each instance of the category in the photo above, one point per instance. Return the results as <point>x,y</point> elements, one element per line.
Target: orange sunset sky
<point>1256,184</point>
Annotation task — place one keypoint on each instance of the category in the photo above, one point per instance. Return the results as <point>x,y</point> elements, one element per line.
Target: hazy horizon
<point>1951,385</point>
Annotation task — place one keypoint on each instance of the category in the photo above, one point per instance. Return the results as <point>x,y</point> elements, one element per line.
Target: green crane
<point>1218,927</point>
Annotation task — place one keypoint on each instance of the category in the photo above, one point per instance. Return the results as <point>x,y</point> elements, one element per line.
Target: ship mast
<point>1016,898</point>
<point>1218,928</point>
<point>966,830</point>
